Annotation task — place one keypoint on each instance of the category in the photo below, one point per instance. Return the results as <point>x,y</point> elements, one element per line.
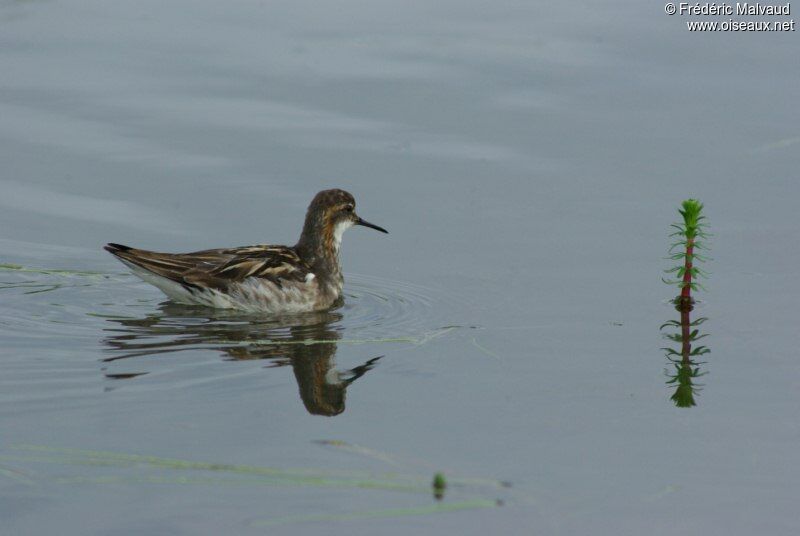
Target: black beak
<point>365,223</point>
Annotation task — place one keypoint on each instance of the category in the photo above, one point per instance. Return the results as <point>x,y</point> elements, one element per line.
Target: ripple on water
<point>127,325</point>
<point>374,310</point>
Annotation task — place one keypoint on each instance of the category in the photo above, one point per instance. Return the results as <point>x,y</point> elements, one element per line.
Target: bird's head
<point>329,215</point>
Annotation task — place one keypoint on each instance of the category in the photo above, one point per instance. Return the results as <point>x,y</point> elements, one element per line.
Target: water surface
<point>527,159</point>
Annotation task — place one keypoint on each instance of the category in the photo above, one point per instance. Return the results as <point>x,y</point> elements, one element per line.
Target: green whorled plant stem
<point>688,232</point>
<point>691,220</point>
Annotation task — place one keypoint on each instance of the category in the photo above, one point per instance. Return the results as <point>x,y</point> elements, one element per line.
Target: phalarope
<point>264,278</point>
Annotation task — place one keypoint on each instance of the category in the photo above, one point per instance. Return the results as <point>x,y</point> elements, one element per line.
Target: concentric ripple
<point>374,310</point>
<point>77,319</point>
<point>384,307</point>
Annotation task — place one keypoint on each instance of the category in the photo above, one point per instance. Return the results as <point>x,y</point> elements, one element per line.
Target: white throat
<point>338,231</point>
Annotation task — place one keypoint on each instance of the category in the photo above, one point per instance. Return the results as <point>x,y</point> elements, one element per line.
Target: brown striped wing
<point>274,263</point>
<point>218,268</point>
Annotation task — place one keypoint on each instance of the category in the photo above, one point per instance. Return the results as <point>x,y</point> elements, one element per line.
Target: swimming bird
<point>262,278</point>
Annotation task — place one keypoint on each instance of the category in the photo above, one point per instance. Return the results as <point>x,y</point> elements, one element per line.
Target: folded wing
<point>218,268</point>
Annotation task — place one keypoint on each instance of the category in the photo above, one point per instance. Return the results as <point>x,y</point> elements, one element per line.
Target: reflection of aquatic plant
<point>688,235</point>
<point>683,379</point>
<point>686,337</point>
<point>686,369</point>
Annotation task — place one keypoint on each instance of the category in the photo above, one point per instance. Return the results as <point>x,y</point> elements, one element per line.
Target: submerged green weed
<point>103,468</point>
<point>47,271</point>
<point>60,278</point>
<point>377,514</point>
<point>439,486</point>
<point>347,479</point>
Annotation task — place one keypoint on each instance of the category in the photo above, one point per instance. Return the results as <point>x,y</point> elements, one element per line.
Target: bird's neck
<point>319,247</point>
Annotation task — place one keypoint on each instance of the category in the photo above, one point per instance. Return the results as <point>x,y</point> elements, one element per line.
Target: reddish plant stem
<point>686,295</point>
<point>686,332</point>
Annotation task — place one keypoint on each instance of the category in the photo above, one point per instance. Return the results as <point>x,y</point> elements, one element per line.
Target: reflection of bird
<point>310,347</point>
<point>273,279</point>
<point>322,387</point>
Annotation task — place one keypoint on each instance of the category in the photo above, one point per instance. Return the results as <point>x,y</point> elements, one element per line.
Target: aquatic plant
<point>688,241</point>
<point>439,486</point>
<point>686,368</point>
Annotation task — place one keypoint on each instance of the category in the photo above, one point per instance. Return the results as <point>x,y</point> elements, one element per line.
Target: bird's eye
<point>348,208</point>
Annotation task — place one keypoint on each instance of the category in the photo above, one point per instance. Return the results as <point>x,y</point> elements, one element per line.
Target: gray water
<point>527,159</point>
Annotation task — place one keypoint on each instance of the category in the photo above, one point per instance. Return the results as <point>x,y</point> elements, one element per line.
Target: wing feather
<point>274,264</point>
<point>218,268</point>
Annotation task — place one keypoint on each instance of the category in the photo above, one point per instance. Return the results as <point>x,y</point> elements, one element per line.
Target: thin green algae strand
<point>112,317</point>
<point>268,475</point>
<point>427,337</point>
<point>377,514</point>
<point>388,481</point>
<point>19,268</point>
